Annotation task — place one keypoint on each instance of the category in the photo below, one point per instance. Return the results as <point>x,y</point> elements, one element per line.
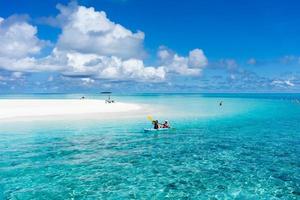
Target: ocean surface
<point>248,148</point>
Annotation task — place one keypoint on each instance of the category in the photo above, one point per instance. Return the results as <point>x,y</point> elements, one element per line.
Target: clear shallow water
<point>247,149</point>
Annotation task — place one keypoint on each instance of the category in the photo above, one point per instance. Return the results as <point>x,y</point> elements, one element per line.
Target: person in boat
<point>166,124</point>
<point>156,124</point>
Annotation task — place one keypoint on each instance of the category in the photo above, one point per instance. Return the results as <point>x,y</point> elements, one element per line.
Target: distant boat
<point>108,100</point>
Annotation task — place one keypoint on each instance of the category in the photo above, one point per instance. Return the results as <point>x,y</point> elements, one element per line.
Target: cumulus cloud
<point>90,47</point>
<point>89,31</point>
<point>197,58</point>
<point>103,67</point>
<point>190,65</point>
<point>18,38</point>
<point>20,45</point>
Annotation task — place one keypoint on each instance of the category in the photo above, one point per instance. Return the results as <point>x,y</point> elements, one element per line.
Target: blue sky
<point>163,46</point>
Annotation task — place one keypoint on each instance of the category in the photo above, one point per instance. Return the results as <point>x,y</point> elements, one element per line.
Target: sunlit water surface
<point>248,148</point>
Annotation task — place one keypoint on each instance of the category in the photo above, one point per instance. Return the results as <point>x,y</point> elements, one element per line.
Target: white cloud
<point>12,76</point>
<point>104,67</point>
<point>89,47</point>
<point>197,58</point>
<point>191,65</point>
<point>87,81</point>
<point>165,54</point>
<point>93,46</point>
<point>29,64</point>
<point>88,31</point>
<point>135,68</point>
<point>18,38</point>
<point>289,83</point>
<point>19,45</point>
<point>17,74</point>
<point>282,83</point>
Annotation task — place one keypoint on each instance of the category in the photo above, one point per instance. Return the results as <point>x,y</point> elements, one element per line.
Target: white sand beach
<point>39,108</point>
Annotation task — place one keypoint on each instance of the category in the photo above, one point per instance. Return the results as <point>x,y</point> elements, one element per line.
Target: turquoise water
<point>247,149</point>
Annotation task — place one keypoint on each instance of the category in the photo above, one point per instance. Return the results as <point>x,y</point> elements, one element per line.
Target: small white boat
<point>156,130</point>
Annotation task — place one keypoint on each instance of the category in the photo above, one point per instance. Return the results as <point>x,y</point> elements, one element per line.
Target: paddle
<point>150,118</point>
